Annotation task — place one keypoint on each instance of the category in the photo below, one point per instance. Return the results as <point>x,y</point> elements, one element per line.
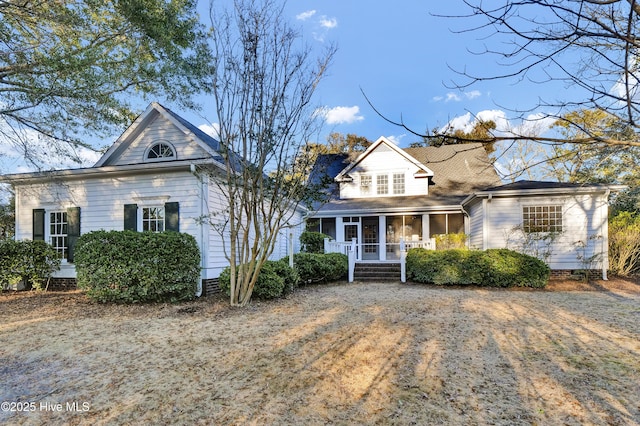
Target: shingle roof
<point>328,165</point>
<point>535,184</point>
<point>458,169</point>
<point>209,140</point>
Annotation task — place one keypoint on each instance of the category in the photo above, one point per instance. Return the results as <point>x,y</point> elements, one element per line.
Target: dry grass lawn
<point>341,354</point>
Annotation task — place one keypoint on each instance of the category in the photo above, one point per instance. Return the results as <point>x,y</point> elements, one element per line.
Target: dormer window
<point>160,151</point>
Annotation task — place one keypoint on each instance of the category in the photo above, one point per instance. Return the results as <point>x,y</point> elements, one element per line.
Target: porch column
<point>339,229</point>
<point>382,237</point>
<point>425,227</point>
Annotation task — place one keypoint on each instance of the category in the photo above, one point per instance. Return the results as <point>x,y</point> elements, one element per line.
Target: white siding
<point>476,225</point>
<point>383,161</point>
<point>102,200</point>
<point>160,129</point>
<point>216,211</point>
<point>281,249</point>
<point>583,222</point>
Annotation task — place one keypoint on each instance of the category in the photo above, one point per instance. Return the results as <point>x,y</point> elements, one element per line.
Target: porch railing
<point>350,248</point>
<point>429,244</point>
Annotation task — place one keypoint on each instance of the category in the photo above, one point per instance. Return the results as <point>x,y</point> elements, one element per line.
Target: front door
<point>370,238</point>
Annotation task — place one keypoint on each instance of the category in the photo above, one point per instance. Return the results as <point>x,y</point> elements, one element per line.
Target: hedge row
<point>132,267</point>
<point>278,279</point>
<point>29,262</point>
<point>321,268</point>
<point>493,268</point>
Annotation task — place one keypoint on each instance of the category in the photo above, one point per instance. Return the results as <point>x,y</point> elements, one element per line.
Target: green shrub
<point>321,268</point>
<point>276,279</point>
<point>133,267</point>
<point>624,243</point>
<point>494,267</point>
<point>312,242</point>
<point>30,262</point>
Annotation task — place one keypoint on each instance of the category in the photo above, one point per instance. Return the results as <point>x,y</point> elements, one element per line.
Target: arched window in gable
<point>160,151</point>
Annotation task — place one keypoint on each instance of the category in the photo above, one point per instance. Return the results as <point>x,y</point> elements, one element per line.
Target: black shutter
<point>172,217</point>
<point>130,217</point>
<point>73,230</point>
<point>38,224</point>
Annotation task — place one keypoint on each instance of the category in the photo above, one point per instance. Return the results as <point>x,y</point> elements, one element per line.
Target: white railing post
<point>326,245</point>
<point>352,259</point>
<point>403,262</point>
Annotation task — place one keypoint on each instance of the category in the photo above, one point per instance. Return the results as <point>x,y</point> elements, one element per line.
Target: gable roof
<point>454,169</point>
<point>191,132</point>
<point>422,169</point>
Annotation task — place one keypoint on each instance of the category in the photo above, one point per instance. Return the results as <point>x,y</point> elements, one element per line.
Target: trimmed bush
<point>29,262</point>
<point>135,267</point>
<point>494,268</point>
<point>276,279</point>
<point>312,242</point>
<point>321,268</point>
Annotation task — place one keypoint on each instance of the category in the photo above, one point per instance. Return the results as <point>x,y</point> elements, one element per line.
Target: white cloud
<point>473,94</point>
<point>305,15</point>
<point>396,138</point>
<point>342,115</point>
<point>452,97</point>
<point>320,26</point>
<point>534,124</point>
<point>328,23</point>
<point>211,130</point>
<point>458,97</point>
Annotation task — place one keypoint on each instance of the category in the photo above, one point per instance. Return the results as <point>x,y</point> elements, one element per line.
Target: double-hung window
<point>398,183</point>
<point>365,184</point>
<point>58,232</point>
<point>382,184</point>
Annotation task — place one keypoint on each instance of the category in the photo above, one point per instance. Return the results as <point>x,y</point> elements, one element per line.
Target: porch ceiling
<point>392,204</point>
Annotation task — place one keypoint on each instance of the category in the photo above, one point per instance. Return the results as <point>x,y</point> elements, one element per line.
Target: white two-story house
<point>389,195</point>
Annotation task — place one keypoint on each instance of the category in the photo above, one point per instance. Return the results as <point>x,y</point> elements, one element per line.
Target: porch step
<point>377,272</point>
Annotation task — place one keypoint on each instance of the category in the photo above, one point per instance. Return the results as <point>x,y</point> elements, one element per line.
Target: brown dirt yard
<point>363,353</point>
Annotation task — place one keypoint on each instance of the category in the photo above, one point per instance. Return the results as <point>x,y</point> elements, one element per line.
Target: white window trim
<point>151,206</point>
<point>47,228</point>
<point>563,214</point>
<point>404,183</point>
<point>378,176</point>
<point>146,158</point>
<point>369,187</point>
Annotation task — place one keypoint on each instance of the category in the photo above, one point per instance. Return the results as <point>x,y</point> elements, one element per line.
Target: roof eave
<point>130,169</point>
<point>587,189</point>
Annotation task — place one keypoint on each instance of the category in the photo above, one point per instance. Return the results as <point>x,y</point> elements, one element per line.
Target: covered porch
<point>382,237</point>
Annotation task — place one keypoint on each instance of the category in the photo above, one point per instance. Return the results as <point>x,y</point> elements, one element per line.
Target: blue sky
<point>400,54</point>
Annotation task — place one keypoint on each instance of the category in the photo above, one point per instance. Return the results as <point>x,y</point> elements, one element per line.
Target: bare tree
<point>589,47</point>
<point>262,91</point>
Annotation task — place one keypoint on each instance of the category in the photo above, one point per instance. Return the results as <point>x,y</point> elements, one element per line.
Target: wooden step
<point>377,272</point>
